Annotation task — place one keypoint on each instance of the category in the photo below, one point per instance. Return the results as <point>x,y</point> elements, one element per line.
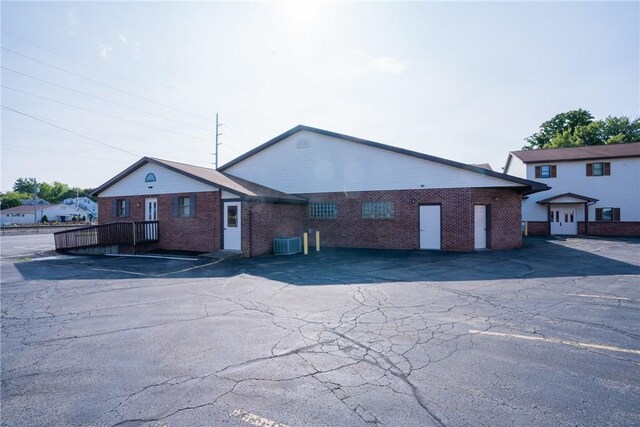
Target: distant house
<point>31,202</point>
<point>357,193</point>
<point>84,203</point>
<point>595,189</point>
<point>25,214</point>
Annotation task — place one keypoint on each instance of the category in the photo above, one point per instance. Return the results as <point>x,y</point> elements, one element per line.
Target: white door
<point>563,221</point>
<point>430,227</point>
<point>480,227</point>
<point>151,209</point>
<point>232,226</point>
<point>151,214</point>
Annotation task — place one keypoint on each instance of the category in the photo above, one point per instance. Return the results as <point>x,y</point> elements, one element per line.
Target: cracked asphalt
<point>545,335</point>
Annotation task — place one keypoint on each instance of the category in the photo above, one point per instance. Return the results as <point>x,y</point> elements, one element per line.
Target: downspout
<point>250,231</point>
<point>586,217</point>
<point>549,219</point>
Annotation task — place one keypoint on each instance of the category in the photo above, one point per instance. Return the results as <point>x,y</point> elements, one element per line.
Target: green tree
<point>25,185</point>
<point>12,199</point>
<point>577,128</point>
<point>558,124</point>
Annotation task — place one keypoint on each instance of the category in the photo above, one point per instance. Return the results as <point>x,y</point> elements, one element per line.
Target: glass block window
<point>323,210</point>
<point>378,210</point>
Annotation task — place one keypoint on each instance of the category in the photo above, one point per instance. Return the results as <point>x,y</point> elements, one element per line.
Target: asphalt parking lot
<point>545,335</point>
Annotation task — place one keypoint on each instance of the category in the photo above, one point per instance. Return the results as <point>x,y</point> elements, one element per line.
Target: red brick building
<point>357,193</point>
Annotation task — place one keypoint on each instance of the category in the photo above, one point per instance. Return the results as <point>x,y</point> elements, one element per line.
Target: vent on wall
<point>303,143</point>
<point>287,245</point>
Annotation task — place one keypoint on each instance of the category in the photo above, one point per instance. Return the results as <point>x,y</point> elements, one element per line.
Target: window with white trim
<point>323,210</point>
<point>378,210</point>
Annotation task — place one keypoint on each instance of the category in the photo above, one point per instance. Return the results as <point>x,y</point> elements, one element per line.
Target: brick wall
<point>201,233</point>
<point>403,232</point>
<point>538,228</point>
<point>263,222</point>
<point>626,228</point>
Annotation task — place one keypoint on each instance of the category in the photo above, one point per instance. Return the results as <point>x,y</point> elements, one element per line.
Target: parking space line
<point>255,420</point>
<point>557,341</point>
<point>613,297</point>
<point>111,270</point>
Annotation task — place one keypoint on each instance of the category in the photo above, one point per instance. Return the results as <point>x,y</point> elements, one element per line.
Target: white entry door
<point>430,227</point>
<point>232,226</point>
<point>563,221</point>
<point>480,227</point>
<point>150,214</point>
<point>151,209</point>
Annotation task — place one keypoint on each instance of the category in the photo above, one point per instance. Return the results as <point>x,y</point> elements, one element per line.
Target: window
<point>607,214</point>
<point>323,210</point>
<point>150,178</point>
<point>184,206</point>
<point>599,169</point>
<point>546,171</point>
<point>232,216</point>
<point>378,209</point>
<point>120,208</point>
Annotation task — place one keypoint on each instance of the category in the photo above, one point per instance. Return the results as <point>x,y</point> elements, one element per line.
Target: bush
<point>44,219</point>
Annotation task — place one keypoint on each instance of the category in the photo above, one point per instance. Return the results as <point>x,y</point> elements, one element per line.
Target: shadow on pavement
<point>539,258</point>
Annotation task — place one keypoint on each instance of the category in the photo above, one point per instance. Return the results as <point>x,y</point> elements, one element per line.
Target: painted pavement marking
<point>557,341</point>
<point>613,297</point>
<point>255,420</point>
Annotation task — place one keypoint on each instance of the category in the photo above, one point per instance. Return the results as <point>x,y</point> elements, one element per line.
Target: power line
<point>102,114</point>
<point>239,142</point>
<point>70,131</point>
<point>103,99</point>
<point>253,141</point>
<point>38,151</point>
<point>94,130</point>
<point>102,84</point>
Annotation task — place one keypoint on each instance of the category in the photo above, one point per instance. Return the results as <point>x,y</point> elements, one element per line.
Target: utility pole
<point>35,203</point>
<point>217,141</point>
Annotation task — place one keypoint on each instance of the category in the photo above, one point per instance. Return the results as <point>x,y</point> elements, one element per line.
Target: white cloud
<point>122,38</point>
<point>387,64</point>
<point>383,64</point>
<point>72,22</point>
<point>105,50</point>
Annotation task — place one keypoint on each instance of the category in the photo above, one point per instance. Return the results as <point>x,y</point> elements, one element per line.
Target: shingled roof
<point>243,188</point>
<point>579,153</point>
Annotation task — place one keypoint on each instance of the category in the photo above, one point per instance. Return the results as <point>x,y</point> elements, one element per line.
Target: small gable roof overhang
<point>568,198</point>
<point>521,185</point>
<point>245,190</point>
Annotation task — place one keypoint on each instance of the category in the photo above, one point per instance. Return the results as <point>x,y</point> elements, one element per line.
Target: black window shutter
<point>192,202</point>
<point>589,169</point>
<point>554,170</point>
<point>114,208</point>
<point>607,168</point>
<point>598,214</point>
<point>126,208</point>
<point>616,214</point>
<point>174,207</point>
<point>538,174</point>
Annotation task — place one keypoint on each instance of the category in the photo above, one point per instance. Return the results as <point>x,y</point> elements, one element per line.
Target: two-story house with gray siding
<point>595,190</point>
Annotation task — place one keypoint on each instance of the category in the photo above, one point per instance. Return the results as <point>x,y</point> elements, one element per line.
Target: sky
<point>89,88</point>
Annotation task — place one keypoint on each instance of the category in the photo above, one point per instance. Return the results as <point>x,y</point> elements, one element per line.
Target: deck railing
<point>115,233</point>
